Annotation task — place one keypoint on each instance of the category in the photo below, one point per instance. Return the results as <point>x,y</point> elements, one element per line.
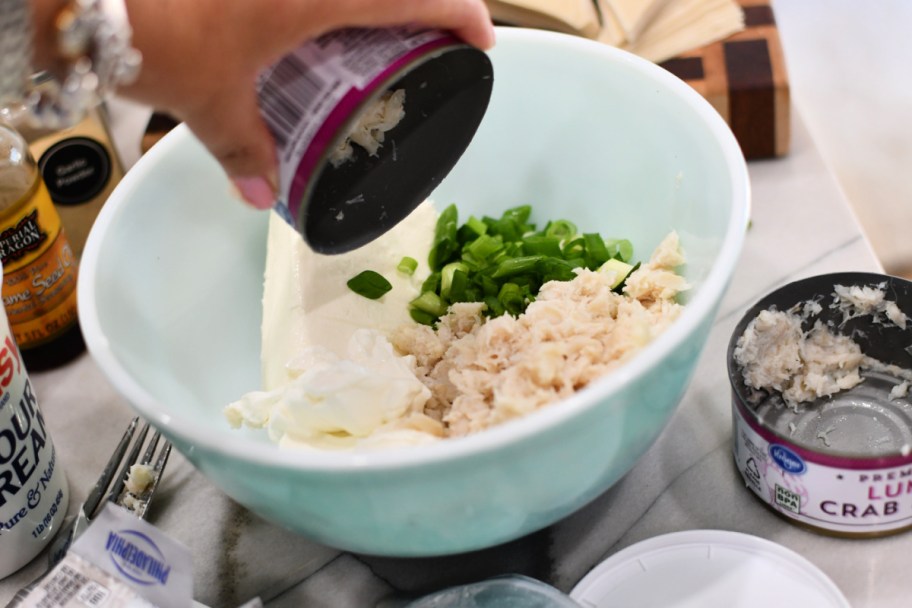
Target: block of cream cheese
<point>306,301</point>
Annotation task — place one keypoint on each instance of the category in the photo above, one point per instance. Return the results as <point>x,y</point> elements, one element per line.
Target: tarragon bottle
<point>39,267</point>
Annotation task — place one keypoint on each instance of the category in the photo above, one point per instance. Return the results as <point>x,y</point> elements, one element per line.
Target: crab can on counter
<point>820,371</point>
<point>367,122</point>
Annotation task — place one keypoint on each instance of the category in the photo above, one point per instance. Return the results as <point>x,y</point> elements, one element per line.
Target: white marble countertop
<point>686,481</point>
<point>848,64</point>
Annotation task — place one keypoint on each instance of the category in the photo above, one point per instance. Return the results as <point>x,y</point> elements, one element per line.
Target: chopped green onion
<point>422,317</point>
<point>488,285</point>
<point>432,283</point>
<point>507,229</point>
<point>519,214</point>
<point>407,265</point>
<point>369,284</point>
<point>625,250</point>
<point>542,245</point>
<point>555,269</point>
<point>495,308</point>
<point>430,303</point>
<point>459,288</point>
<point>620,286</point>
<point>574,248</point>
<point>561,228</point>
<point>511,297</point>
<point>476,225</point>
<point>446,276</point>
<point>445,242</point>
<point>503,262</point>
<point>513,266</point>
<point>595,247</point>
<point>621,269</point>
<point>484,246</point>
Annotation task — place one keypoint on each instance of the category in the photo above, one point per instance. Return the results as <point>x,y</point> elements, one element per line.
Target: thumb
<point>233,131</point>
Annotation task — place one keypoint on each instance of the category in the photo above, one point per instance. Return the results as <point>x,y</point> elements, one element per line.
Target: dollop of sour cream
<point>333,402</point>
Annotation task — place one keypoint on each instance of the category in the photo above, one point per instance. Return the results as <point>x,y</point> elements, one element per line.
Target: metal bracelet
<point>94,46</point>
<point>15,50</point>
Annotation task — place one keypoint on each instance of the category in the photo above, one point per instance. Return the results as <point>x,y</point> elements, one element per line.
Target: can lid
<point>707,569</point>
<point>446,96</point>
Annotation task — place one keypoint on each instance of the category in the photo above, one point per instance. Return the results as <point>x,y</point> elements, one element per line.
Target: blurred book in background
<point>579,17</point>
<point>654,29</point>
<point>728,50</point>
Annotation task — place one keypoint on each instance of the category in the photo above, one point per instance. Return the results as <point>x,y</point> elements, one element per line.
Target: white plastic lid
<point>707,569</point>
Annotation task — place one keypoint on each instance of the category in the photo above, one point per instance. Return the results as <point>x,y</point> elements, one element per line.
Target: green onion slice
<point>407,265</point>
<point>369,284</point>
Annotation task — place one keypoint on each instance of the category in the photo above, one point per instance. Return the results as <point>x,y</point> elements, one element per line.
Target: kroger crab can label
<point>851,496</point>
<point>33,487</point>
<point>366,123</point>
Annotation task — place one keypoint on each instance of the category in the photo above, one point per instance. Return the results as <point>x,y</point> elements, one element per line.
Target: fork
<point>118,469</point>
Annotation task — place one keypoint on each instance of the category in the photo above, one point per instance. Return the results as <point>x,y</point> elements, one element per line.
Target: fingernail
<point>255,190</point>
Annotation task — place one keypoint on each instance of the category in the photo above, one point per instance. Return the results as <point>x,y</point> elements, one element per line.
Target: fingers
<point>219,103</point>
<point>231,128</point>
<point>468,19</point>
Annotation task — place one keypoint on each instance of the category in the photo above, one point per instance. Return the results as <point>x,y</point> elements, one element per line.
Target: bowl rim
<point>256,452</point>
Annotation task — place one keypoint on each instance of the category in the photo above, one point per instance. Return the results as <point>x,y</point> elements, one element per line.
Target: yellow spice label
<point>39,271</point>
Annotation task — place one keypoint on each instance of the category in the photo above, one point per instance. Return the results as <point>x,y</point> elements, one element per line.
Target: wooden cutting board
<point>744,77</point>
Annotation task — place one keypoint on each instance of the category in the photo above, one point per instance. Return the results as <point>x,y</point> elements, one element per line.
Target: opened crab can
<point>367,122</point>
<point>822,418</point>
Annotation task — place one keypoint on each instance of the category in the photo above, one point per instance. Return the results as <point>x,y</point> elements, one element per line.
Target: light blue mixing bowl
<point>171,282</point>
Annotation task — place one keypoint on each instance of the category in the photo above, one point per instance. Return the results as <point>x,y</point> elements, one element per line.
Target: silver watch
<point>94,45</point>
<point>15,50</point>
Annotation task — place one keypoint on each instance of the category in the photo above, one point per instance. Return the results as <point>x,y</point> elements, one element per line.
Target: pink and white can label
<point>311,98</point>
<point>33,488</point>
<point>852,496</point>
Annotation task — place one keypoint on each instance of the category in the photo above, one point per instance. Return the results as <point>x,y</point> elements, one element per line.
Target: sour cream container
<point>840,465</point>
<point>313,98</point>
<point>33,488</point>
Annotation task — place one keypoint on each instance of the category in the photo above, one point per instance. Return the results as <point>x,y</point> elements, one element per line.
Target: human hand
<point>201,58</point>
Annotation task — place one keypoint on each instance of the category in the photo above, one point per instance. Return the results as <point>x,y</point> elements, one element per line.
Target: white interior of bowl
<point>171,278</point>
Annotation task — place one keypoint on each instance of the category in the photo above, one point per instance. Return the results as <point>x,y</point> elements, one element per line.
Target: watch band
<point>15,50</point>
<point>93,44</point>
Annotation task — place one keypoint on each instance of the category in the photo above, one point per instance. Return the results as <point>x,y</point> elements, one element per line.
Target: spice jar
<point>80,167</point>
<point>39,267</point>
